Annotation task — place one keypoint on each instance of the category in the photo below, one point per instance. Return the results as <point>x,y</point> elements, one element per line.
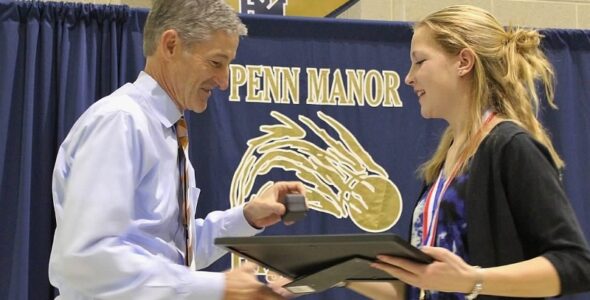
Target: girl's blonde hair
<point>508,64</point>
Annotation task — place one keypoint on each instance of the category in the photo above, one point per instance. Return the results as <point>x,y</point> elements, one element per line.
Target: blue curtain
<point>55,60</point>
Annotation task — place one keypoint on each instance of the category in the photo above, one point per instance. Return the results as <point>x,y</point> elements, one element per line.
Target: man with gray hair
<point>123,186</point>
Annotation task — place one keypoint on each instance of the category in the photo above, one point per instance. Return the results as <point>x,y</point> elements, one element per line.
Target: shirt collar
<point>162,105</point>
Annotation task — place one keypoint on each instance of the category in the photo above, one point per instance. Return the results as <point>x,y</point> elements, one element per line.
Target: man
<point>118,194</point>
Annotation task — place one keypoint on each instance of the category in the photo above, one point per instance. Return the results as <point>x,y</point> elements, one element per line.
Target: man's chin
<point>198,105</point>
<point>199,108</point>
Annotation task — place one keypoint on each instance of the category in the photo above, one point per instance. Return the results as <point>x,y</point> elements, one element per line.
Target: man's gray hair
<point>194,20</point>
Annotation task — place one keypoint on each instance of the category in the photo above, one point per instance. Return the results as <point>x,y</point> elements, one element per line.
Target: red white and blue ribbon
<point>439,188</point>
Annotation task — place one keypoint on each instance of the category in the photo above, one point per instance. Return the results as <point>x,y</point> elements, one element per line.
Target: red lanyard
<point>436,193</point>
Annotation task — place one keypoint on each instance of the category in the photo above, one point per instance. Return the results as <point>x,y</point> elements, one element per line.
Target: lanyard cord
<point>434,197</point>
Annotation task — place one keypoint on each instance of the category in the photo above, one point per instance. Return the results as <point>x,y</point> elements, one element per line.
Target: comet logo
<point>341,177</point>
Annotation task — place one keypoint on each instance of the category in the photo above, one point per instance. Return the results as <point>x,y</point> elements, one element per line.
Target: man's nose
<point>222,79</point>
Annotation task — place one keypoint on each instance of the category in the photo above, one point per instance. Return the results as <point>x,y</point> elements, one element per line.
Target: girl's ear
<point>466,61</point>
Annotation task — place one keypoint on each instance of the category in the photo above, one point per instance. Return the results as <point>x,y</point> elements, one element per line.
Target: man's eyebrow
<point>221,55</point>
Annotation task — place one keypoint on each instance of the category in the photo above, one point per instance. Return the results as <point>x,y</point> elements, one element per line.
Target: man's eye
<point>215,64</point>
<point>420,62</point>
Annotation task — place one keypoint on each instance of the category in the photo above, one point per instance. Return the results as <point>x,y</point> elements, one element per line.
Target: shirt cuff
<point>238,225</point>
<point>205,285</point>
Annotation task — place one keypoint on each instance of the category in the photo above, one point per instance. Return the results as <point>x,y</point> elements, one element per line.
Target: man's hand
<point>276,282</point>
<point>241,283</point>
<point>267,208</point>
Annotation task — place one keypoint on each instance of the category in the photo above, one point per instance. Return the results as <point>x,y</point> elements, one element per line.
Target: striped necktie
<point>184,207</point>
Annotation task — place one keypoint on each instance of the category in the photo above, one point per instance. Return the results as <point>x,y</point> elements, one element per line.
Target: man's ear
<point>170,44</point>
<point>466,61</point>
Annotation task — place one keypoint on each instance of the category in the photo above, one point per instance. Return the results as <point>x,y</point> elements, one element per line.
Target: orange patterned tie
<point>184,207</point>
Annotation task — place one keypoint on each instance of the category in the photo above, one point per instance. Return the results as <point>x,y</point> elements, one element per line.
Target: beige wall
<point>535,13</point>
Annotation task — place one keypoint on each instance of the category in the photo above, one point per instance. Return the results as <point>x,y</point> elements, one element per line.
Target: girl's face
<point>434,76</point>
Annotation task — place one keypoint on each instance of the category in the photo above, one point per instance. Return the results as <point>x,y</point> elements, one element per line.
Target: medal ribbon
<point>436,193</point>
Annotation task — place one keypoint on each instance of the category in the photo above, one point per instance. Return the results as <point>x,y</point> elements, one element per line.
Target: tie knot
<point>182,133</point>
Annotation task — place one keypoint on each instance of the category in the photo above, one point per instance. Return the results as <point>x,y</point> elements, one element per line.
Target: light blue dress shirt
<point>115,186</point>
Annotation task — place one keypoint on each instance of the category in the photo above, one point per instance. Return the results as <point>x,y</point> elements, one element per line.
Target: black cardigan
<point>517,209</point>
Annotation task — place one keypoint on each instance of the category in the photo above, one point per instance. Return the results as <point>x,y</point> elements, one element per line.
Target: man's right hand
<point>241,283</point>
<point>276,284</point>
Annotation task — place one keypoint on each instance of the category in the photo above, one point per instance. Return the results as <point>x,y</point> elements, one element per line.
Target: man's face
<point>195,72</point>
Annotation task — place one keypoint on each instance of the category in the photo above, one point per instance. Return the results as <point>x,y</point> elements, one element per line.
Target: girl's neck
<point>458,126</point>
